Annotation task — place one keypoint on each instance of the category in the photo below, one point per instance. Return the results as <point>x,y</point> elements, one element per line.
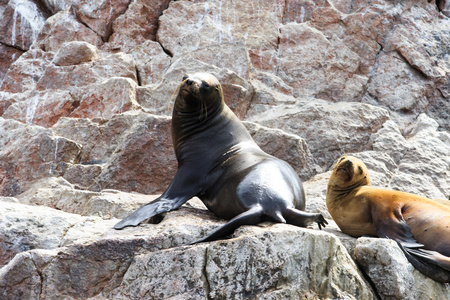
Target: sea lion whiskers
<point>177,90</point>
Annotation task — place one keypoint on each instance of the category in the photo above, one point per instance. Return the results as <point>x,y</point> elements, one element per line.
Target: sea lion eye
<point>360,170</point>
<point>205,85</point>
<point>185,77</point>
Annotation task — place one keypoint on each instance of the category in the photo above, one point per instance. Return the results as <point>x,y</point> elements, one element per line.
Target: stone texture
<point>392,275</point>
<point>86,94</point>
<point>75,53</point>
<point>137,25</point>
<point>65,27</point>
<point>20,23</point>
<point>7,56</point>
<point>342,127</point>
<point>99,15</point>
<point>29,153</point>
<point>234,269</point>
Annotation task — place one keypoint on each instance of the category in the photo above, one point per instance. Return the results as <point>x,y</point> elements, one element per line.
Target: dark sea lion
<point>219,162</point>
<point>420,226</point>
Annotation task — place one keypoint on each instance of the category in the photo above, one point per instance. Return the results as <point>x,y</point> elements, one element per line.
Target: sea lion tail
<point>302,219</point>
<point>158,206</point>
<point>430,263</point>
<point>249,217</point>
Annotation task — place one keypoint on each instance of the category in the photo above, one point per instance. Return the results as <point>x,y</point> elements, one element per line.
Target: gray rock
<point>393,276</point>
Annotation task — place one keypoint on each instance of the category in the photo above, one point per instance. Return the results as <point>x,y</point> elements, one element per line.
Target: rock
<point>20,23</point>
<point>25,72</point>
<point>393,276</point>
<point>287,147</point>
<point>64,27</point>
<point>75,53</point>
<point>57,6</point>
<point>137,25</point>
<point>76,76</point>
<point>119,258</point>
<point>7,56</point>
<point>113,96</point>
<point>253,264</point>
<point>26,227</point>
<point>100,15</point>
<point>342,127</point>
<point>42,155</point>
<point>41,107</point>
<point>151,62</point>
<point>146,152</point>
<point>422,169</point>
<point>340,80</point>
<point>86,91</point>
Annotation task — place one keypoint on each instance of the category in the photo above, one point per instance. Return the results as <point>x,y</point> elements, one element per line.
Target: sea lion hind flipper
<point>393,226</point>
<point>425,261</point>
<point>249,217</point>
<point>434,257</point>
<point>303,219</point>
<point>158,206</point>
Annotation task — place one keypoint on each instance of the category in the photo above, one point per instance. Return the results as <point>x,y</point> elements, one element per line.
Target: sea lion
<point>219,162</point>
<point>420,226</point>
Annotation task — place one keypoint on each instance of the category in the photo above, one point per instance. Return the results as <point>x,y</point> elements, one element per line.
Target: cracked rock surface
<point>86,91</point>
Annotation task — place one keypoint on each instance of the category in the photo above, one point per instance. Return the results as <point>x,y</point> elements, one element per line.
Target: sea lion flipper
<point>430,263</point>
<point>391,225</point>
<point>158,206</point>
<point>249,217</point>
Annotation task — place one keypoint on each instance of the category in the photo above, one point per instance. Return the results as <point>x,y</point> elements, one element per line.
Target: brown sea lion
<point>219,162</point>
<point>421,226</point>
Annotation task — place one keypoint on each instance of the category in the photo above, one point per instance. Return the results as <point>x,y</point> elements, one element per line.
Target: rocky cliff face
<point>85,99</point>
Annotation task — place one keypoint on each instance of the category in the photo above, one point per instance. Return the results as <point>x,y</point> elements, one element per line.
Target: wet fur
<point>219,162</point>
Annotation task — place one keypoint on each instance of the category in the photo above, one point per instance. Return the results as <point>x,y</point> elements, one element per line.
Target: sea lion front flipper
<point>430,263</point>
<point>249,217</point>
<point>183,187</point>
<point>390,224</point>
<point>158,206</point>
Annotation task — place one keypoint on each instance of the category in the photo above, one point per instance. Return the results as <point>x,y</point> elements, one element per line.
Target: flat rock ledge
<point>47,253</point>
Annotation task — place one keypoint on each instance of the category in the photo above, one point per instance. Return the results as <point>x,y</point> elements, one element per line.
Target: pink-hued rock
<point>311,50</point>
<point>41,108</point>
<point>25,72</point>
<point>342,127</point>
<point>64,27</point>
<point>76,76</point>
<point>85,103</point>
<point>137,25</point>
<point>151,62</point>
<point>222,22</point>
<point>99,15</point>
<point>20,23</point>
<point>144,162</point>
<point>8,55</point>
<point>113,96</point>
<point>28,153</point>
<point>75,53</point>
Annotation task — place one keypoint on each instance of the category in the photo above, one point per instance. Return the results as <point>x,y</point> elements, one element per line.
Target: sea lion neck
<point>192,140</point>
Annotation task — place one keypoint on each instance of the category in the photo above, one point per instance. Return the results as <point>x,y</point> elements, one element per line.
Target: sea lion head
<point>200,94</point>
<point>349,172</point>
